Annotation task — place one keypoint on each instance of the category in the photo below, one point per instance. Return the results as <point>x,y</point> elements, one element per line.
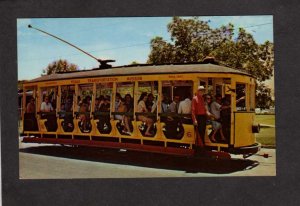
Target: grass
<point>266,136</point>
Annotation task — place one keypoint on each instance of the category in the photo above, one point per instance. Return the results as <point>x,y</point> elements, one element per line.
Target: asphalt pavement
<point>45,161</point>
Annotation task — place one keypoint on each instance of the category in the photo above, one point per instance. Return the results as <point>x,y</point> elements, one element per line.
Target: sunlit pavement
<point>44,161</point>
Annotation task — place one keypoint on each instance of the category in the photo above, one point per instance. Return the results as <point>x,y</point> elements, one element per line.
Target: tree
<point>192,40</point>
<point>263,97</point>
<point>60,65</point>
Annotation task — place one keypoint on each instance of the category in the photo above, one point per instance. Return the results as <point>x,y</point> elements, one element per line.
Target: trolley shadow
<point>142,159</point>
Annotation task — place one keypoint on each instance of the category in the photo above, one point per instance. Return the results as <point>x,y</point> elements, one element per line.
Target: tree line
<point>192,40</point>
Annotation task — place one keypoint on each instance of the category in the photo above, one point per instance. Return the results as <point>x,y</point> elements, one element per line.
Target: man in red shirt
<point>199,113</point>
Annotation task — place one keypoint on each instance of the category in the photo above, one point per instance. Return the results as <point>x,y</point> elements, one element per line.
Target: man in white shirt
<point>185,107</point>
<point>46,105</point>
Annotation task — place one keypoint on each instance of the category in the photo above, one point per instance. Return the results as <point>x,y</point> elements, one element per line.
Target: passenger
<point>164,108</point>
<point>68,124</point>
<point>121,108</point>
<point>101,99</point>
<point>83,116</point>
<point>128,117</point>
<point>143,109</point>
<point>117,101</point>
<point>46,105</point>
<point>104,119</point>
<point>105,106</point>
<point>164,104</point>
<point>30,108</point>
<point>79,102</point>
<point>62,110</point>
<point>129,103</point>
<point>215,109</point>
<point>150,103</point>
<point>175,104</point>
<point>199,113</point>
<point>185,107</point>
<point>97,104</point>
<point>88,101</point>
<point>208,101</point>
<point>124,119</point>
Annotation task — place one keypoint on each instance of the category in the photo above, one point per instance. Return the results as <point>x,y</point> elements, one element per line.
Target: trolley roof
<point>141,70</point>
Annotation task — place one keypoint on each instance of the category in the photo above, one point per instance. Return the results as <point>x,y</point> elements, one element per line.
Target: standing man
<point>199,112</point>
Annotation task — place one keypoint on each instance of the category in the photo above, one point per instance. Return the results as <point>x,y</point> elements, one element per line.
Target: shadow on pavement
<point>144,159</point>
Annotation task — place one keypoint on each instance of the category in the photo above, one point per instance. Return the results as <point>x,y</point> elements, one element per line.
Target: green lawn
<point>266,136</point>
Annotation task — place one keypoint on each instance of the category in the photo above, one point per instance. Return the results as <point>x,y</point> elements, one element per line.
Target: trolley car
<point>67,124</point>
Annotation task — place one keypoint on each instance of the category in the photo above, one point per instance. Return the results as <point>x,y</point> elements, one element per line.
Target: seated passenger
<point>46,105</point>
<point>62,110</point>
<point>104,125</point>
<point>30,121</point>
<point>129,103</point>
<point>121,108</point>
<point>30,108</point>
<point>83,116</point>
<point>175,104</point>
<point>129,111</point>
<point>164,104</point>
<point>150,103</point>
<point>68,124</point>
<point>123,118</point>
<point>117,101</point>
<point>143,109</point>
<point>105,106</point>
<point>97,104</point>
<point>185,107</point>
<point>69,104</point>
<point>88,101</point>
<point>207,102</point>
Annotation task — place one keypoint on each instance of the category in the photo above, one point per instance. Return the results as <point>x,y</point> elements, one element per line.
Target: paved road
<point>44,161</point>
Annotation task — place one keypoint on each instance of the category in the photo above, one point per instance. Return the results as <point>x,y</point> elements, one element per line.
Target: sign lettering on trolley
<point>75,81</point>
<point>134,78</point>
<point>104,79</point>
<point>175,76</point>
<point>51,83</point>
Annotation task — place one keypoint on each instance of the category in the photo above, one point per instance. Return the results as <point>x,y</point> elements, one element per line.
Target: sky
<point>122,39</point>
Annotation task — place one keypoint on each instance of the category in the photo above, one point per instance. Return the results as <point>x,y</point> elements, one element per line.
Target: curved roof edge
<point>141,70</point>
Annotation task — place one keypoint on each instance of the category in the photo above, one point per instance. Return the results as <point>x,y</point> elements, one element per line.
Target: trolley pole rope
<point>99,60</point>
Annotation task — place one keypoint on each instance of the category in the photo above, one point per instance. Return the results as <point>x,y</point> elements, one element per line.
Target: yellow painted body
<point>241,123</point>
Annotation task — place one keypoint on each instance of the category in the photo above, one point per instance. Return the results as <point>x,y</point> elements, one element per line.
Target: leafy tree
<point>134,62</point>
<point>263,97</point>
<point>192,40</point>
<point>60,65</point>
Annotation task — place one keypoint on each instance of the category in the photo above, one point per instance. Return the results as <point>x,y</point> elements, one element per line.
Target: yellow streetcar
<point>67,123</point>
<point>135,107</point>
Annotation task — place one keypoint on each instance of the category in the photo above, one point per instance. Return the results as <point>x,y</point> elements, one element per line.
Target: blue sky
<point>122,39</point>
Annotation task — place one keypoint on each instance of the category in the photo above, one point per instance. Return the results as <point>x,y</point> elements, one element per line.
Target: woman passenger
<point>83,116</point>
<point>143,109</point>
<point>125,119</point>
<point>30,108</point>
